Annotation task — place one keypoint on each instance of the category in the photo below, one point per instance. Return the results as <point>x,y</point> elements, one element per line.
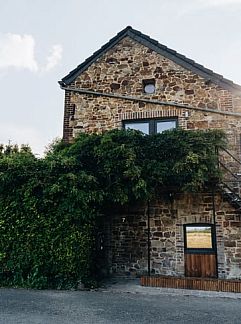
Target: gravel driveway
<point>114,306</point>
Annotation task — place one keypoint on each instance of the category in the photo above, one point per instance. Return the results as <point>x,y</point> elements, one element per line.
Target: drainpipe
<point>215,229</point>
<point>148,101</point>
<point>148,239</point>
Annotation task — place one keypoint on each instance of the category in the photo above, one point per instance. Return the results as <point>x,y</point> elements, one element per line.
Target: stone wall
<point>167,217</point>
<point>121,72</point>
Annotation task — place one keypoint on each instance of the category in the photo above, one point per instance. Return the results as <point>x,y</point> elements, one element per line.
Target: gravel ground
<point>121,302</point>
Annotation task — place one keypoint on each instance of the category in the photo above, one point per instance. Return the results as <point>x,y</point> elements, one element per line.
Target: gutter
<point>150,101</point>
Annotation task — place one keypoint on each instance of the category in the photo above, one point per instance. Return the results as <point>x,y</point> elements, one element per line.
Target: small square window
<point>149,86</point>
<point>198,237</point>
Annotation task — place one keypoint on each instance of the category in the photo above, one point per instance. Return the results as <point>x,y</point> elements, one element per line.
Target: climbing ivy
<point>49,206</point>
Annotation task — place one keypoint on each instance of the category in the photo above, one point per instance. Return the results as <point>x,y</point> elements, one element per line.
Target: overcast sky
<point>42,40</point>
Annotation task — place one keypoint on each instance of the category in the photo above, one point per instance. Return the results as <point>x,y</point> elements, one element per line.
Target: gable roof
<point>158,48</point>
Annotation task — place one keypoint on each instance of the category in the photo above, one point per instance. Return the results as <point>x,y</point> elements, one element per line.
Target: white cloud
<point>54,58</point>
<point>18,51</point>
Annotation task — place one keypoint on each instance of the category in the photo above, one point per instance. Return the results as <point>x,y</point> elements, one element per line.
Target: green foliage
<point>46,222</point>
<point>129,165</point>
<point>49,207</point>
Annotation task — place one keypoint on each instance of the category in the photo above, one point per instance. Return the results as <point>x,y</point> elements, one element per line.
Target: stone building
<point>135,82</point>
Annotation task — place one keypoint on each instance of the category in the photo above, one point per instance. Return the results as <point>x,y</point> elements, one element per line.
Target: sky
<point>42,40</point>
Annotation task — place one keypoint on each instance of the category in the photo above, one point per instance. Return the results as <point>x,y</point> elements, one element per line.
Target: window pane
<point>143,127</point>
<point>149,88</point>
<point>199,237</point>
<point>165,125</point>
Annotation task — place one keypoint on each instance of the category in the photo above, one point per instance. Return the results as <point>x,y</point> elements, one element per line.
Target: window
<point>199,238</point>
<point>151,126</point>
<point>149,86</point>
<point>141,126</point>
<point>163,125</point>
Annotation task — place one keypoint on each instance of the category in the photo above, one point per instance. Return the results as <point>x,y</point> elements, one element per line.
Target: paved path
<point>119,303</point>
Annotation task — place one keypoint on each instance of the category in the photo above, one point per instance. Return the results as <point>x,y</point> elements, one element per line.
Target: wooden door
<point>200,251</point>
<point>200,265</point>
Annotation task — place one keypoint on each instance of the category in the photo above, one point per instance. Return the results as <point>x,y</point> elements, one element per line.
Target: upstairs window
<point>151,126</point>
<point>149,86</point>
<point>141,126</point>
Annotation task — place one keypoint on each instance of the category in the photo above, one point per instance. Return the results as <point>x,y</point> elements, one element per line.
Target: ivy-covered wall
<point>46,221</point>
<point>116,80</point>
<point>52,209</point>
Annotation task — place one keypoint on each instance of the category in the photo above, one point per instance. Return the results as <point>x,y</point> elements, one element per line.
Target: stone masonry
<point>109,91</point>
<point>129,235</point>
<point>122,70</point>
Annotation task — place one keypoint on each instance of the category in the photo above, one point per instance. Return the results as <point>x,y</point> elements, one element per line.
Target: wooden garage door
<point>200,251</point>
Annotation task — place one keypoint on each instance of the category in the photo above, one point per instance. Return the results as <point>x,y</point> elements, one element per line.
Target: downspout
<point>148,239</point>
<point>215,229</point>
<point>214,209</point>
